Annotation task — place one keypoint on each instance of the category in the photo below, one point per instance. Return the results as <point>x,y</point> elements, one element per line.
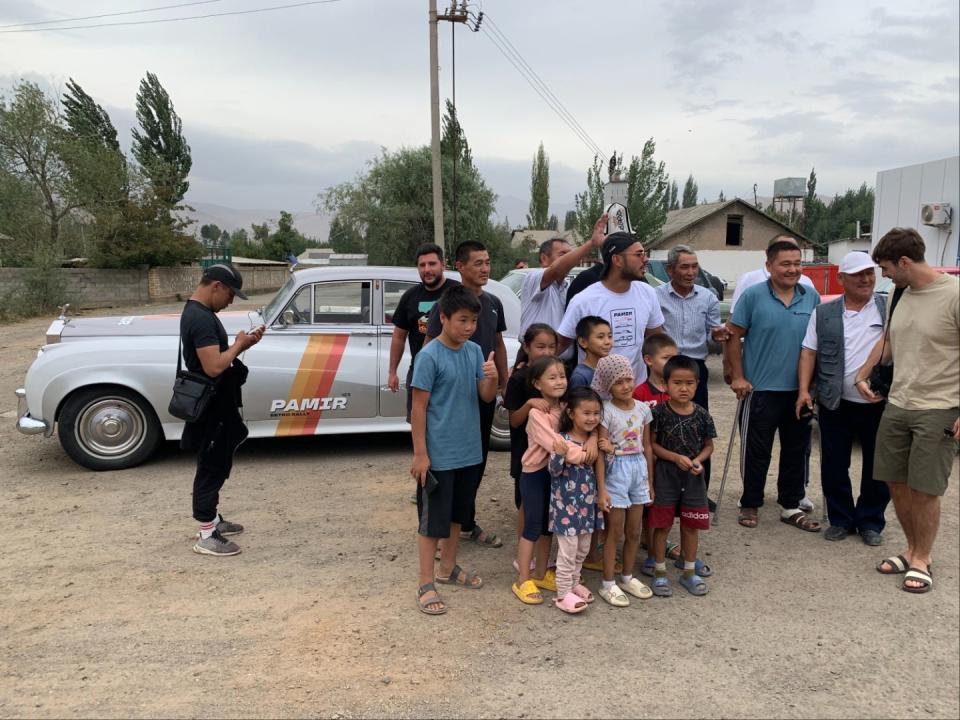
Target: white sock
<point>626,579</point>
<point>689,565</point>
<point>207,528</point>
<point>789,512</point>
<point>607,584</point>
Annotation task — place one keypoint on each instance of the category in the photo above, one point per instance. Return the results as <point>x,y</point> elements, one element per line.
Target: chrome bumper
<point>26,424</point>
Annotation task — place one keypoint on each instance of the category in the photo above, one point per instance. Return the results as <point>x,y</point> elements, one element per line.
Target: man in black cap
<point>219,432</point>
<point>629,305</point>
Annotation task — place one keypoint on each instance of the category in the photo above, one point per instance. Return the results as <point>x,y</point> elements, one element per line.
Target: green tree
<point>210,233</point>
<point>589,204</point>
<point>159,145</point>
<point>344,239</point>
<point>553,223</point>
<point>674,196</point>
<point>838,220</point>
<point>539,191</point>
<point>721,197</point>
<point>570,220</point>
<point>690,192</point>
<point>646,188</point>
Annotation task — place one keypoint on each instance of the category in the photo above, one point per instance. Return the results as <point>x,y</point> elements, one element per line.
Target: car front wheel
<point>108,428</point>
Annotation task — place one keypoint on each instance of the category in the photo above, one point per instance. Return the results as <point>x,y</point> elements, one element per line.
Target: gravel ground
<point>105,612</point>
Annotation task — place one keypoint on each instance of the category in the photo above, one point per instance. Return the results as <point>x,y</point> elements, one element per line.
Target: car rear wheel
<point>108,428</point>
<point>500,432</point>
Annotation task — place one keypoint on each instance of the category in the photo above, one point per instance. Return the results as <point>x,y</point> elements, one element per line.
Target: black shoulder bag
<point>881,377</point>
<point>192,392</point>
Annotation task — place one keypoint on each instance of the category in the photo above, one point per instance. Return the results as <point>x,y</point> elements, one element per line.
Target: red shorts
<point>661,516</point>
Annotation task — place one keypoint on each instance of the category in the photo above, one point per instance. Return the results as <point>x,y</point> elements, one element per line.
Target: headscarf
<point>610,369</point>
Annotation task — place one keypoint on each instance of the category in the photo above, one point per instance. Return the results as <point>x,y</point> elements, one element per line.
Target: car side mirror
<point>287,318</point>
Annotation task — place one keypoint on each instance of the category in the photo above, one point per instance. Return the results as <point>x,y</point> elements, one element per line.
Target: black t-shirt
<point>489,323</point>
<point>682,434</point>
<point>200,327</point>
<point>514,397</point>
<point>414,309</point>
<point>584,280</point>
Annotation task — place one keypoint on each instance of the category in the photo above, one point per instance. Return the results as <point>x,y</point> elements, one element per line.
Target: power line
<point>177,19</point>
<point>106,15</point>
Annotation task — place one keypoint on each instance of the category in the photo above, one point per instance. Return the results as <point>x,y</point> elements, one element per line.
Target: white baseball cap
<point>856,261</point>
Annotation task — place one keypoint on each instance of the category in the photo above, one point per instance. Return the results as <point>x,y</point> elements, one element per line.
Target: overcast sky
<point>277,106</point>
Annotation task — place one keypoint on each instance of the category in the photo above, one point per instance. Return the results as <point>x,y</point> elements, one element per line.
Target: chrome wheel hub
<point>110,427</point>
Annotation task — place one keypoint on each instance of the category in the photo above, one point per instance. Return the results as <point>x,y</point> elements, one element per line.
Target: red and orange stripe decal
<point>318,369</point>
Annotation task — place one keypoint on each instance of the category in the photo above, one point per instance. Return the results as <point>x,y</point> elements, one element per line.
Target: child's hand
<point>541,404</point>
<point>695,467</point>
<point>560,446</point>
<point>421,463</point>
<point>605,445</point>
<point>603,500</point>
<point>683,462</point>
<point>490,368</point>
<point>590,450</point>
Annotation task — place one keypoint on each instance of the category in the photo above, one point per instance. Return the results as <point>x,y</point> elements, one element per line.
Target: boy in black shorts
<point>682,434</point>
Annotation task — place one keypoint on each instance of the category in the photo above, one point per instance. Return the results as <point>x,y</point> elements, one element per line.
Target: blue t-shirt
<point>581,376</point>
<point>771,347</point>
<point>453,410</point>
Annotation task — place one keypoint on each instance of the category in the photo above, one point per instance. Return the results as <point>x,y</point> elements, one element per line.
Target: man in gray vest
<point>839,339</point>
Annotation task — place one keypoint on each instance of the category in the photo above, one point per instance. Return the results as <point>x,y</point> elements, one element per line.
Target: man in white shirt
<point>543,294</point>
<point>755,277</point>
<point>839,338</point>
<point>622,299</point>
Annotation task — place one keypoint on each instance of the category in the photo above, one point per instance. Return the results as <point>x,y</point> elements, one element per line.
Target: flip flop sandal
<point>571,603</point>
<point>800,520</point>
<point>636,588</point>
<point>661,586</point>
<point>454,579</point>
<point>694,584</point>
<point>549,581</point>
<point>527,593</point>
<point>423,604</point>
<point>489,539</point>
<point>897,562</point>
<point>700,567</point>
<point>615,596</point>
<point>673,551</point>
<point>583,592</point>
<point>918,575</point>
<point>748,517</point>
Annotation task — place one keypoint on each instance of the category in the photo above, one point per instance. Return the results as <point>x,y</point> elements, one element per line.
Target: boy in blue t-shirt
<point>448,377</point>
<point>595,338</point>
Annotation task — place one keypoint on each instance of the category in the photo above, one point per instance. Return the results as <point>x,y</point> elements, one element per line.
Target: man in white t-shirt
<point>543,294</point>
<point>622,299</point>
<point>755,277</point>
<point>839,338</point>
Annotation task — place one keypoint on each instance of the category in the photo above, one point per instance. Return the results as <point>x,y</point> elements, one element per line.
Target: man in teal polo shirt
<point>771,318</point>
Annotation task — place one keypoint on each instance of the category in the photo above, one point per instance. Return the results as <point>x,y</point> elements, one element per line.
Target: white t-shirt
<point>630,315</point>
<point>755,277</point>
<point>541,306</point>
<point>625,427</point>
<point>861,331</point>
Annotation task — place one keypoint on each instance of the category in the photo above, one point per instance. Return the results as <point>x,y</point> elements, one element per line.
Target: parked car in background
<point>704,279</point>
<point>103,384</point>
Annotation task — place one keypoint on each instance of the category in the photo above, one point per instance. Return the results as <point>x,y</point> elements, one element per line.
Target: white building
<point>904,193</point>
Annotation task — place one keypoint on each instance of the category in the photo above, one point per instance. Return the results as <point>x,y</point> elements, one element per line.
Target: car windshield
<point>273,307</point>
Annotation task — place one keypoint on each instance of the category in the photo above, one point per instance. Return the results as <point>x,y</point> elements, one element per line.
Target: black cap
<point>614,244</point>
<point>228,275</point>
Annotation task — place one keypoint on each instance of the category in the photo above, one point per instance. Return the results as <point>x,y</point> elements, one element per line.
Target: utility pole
<point>435,127</point>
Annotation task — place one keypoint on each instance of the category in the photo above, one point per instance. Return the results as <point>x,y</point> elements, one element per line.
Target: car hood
<point>142,325</point>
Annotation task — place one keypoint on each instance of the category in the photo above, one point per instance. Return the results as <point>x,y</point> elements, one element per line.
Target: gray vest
<point>830,359</point>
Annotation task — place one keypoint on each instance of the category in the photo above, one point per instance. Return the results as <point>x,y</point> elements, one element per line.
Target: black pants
<point>219,436</point>
<point>702,398</point>
<point>486,422</point>
<point>773,412</point>
<point>838,430</point>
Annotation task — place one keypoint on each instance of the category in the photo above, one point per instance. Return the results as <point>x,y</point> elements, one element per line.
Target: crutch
<point>815,435</point>
<point>737,419</point>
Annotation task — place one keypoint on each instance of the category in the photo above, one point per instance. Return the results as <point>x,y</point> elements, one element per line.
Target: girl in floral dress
<point>576,498</point>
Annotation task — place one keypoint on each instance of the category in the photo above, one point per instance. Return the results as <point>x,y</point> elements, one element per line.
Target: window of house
<point>734,230</point>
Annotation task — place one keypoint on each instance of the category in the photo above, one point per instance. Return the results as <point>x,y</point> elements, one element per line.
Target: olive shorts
<point>912,448</point>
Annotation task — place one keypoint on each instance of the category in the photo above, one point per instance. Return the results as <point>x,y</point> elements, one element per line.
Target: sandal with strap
<point>673,551</point>
<point>470,579</point>
<point>800,520</point>
<point>489,539</point>
<point>694,584</point>
<point>649,566</point>
<point>748,517</point>
<point>571,603</point>
<point>917,575</point>
<point>583,592</point>
<point>636,588</point>
<point>424,605</point>
<point>527,593</point>
<point>699,567</point>
<point>615,596</point>
<point>547,582</point>
<point>661,586</point>
<point>897,562</point>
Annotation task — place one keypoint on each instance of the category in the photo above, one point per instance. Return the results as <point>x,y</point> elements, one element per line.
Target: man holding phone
<point>220,431</point>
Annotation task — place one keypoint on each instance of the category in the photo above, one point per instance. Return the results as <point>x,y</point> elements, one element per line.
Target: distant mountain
<point>311,224</point>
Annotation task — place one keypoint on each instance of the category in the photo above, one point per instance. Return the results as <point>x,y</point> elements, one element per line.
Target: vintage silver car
<point>104,383</point>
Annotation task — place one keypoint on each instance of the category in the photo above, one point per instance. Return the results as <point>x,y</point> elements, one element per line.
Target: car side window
<point>300,305</point>
<point>341,302</point>
<point>392,291</point>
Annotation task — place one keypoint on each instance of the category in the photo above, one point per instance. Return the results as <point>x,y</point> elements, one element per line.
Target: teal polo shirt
<point>771,347</point>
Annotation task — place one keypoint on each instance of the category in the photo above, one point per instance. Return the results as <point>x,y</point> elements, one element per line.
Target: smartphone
<point>432,483</point>
<point>806,412</point>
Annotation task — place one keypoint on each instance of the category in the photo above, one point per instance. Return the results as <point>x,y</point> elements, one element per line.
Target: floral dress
<point>573,496</point>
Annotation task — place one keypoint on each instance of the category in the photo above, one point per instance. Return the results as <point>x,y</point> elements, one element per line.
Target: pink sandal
<point>583,592</point>
<point>571,603</point>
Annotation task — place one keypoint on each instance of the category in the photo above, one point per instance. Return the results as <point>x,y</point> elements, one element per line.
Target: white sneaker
<point>806,504</point>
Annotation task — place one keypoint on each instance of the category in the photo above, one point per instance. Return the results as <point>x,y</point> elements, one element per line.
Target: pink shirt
<point>541,434</point>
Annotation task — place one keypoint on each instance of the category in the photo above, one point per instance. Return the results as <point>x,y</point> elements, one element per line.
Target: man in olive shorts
<point>918,434</point>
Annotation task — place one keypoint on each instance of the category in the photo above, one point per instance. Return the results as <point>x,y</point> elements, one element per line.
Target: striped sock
<point>207,528</point>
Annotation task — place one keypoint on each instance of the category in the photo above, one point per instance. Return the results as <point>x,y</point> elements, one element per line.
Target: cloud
<point>930,38</point>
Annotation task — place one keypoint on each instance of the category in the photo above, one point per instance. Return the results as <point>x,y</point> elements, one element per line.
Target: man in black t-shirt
<point>412,311</point>
<point>473,263</point>
<point>219,432</point>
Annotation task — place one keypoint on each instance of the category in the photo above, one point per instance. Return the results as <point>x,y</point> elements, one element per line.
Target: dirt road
<point>105,612</point>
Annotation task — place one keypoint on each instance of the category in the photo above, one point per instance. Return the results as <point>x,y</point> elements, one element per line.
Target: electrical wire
<point>115,14</point>
<point>176,19</point>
